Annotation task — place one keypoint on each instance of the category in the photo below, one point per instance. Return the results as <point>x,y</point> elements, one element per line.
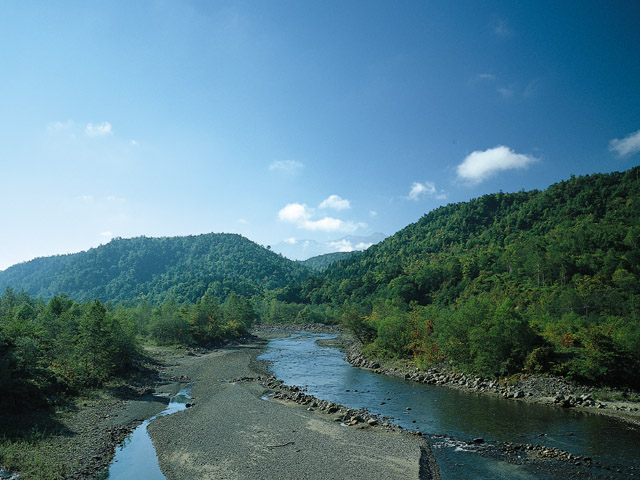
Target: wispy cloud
<point>501,28</point>
<point>106,234</point>
<point>480,165</point>
<point>626,146</point>
<point>99,130</point>
<point>506,92</point>
<point>485,76</point>
<point>343,245</point>
<point>426,189</point>
<point>336,202</point>
<point>421,189</point>
<point>60,126</point>
<point>302,216</point>
<point>286,166</point>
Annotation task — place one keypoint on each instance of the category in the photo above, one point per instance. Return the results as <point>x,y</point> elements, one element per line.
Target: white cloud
<point>480,165</point>
<point>627,146</point>
<point>329,224</point>
<point>290,241</point>
<point>294,212</point>
<point>426,189</point>
<point>242,221</point>
<point>341,245</point>
<point>373,213</point>
<point>485,76</point>
<point>286,165</point>
<point>421,189</point>
<point>106,234</point>
<point>301,215</point>
<point>363,246</point>
<point>99,130</point>
<point>335,202</point>
<point>85,198</point>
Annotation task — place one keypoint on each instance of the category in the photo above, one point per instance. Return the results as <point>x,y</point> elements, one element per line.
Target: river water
<point>135,458</point>
<point>450,418</point>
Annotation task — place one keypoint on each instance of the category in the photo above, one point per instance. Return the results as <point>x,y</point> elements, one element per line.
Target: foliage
<point>157,269</point>
<point>547,281</point>
<point>320,263</point>
<point>64,347</point>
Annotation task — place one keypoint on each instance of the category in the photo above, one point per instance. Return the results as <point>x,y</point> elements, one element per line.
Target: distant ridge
<point>304,249</point>
<point>322,262</point>
<point>156,269</point>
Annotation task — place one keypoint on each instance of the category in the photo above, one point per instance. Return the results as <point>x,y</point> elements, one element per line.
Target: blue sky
<point>296,119</point>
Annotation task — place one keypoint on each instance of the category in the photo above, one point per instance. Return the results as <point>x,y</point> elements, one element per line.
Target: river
<point>449,418</point>
<point>135,458</point>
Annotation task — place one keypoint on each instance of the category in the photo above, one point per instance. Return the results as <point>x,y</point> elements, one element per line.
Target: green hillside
<point>321,262</point>
<point>530,281</point>
<point>156,269</point>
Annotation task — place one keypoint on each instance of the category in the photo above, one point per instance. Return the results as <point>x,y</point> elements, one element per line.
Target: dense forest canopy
<point>533,282</point>
<point>157,269</point>
<point>321,262</point>
<point>530,281</point>
<point>52,349</point>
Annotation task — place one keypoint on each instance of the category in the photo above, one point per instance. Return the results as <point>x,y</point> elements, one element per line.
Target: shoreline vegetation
<point>533,296</point>
<point>623,404</point>
<point>546,389</point>
<point>79,439</point>
<point>229,387</point>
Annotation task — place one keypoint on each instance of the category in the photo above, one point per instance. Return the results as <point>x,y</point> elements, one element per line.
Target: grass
<point>31,444</point>
<point>606,395</point>
<point>34,456</point>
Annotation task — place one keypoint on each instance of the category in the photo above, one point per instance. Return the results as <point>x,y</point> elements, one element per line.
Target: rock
<point>478,440</point>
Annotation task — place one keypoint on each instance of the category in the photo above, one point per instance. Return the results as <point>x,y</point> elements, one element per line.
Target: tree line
<point>528,282</point>
<point>50,350</point>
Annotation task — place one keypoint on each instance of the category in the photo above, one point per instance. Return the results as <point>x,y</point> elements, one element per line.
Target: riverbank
<point>235,430</point>
<point>546,390</point>
<point>77,439</point>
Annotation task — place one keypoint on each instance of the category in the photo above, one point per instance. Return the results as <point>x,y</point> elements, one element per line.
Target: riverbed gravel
<point>236,431</point>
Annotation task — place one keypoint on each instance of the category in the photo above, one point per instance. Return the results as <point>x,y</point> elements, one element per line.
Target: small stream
<point>136,458</point>
<point>450,418</point>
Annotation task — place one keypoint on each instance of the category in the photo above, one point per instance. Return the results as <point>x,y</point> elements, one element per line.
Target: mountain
<point>539,281</point>
<point>182,268</point>
<point>305,249</point>
<point>322,262</point>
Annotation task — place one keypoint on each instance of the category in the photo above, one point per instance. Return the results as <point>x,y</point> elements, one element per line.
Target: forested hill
<point>156,269</point>
<point>320,263</point>
<point>549,277</point>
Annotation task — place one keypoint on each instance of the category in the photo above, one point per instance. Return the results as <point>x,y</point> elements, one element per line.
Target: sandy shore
<point>233,433</point>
